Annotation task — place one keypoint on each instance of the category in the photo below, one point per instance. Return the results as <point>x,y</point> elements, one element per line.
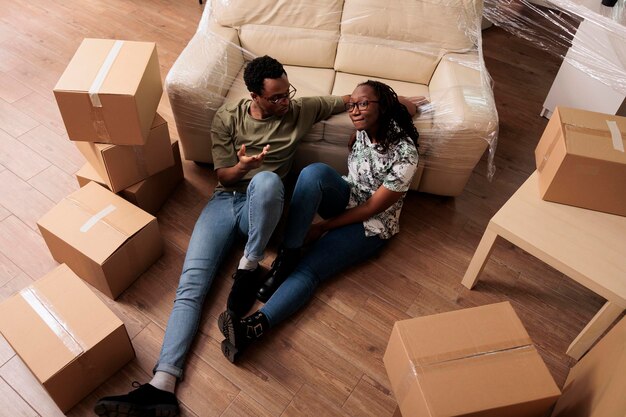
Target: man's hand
<point>413,104</point>
<point>249,163</point>
<point>230,175</point>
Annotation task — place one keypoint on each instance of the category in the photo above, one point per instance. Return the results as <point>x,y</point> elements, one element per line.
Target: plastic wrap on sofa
<point>421,48</point>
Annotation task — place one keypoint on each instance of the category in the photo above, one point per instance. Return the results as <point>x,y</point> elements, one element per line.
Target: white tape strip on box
<point>46,312</point>
<point>616,136</point>
<point>96,218</point>
<point>104,71</point>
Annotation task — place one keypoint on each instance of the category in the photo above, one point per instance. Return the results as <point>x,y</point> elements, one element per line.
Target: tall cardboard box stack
<point>108,97</point>
<point>477,362</point>
<point>69,339</point>
<point>581,160</point>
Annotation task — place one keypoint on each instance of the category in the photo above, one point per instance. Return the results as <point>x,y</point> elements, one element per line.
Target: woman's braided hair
<point>391,110</point>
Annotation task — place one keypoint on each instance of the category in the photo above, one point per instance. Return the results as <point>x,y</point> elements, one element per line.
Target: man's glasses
<point>361,105</point>
<point>287,96</point>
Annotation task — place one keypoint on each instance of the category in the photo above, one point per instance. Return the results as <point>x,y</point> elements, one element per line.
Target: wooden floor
<point>327,360</point>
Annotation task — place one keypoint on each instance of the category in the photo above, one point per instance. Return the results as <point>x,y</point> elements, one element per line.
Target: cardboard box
<point>149,194</point>
<point>581,160</point>
<point>122,166</point>
<point>596,385</point>
<point>110,91</point>
<point>66,335</point>
<point>475,362</point>
<point>103,238</point>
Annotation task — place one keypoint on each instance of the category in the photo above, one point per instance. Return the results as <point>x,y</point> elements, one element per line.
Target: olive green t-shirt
<point>233,126</point>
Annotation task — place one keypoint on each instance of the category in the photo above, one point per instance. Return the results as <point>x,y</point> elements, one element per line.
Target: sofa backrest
<point>296,32</point>
<point>404,39</point>
<point>392,39</point>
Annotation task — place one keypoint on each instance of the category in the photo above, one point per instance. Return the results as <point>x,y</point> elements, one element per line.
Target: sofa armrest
<point>461,96</point>
<point>198,83</point>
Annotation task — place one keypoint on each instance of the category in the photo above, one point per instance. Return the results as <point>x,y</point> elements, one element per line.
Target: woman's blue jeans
<point>254,214</point>
<point>319,189</point>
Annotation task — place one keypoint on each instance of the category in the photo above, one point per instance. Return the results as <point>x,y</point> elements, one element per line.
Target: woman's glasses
<point>361,105</point>
<point>287,96</point>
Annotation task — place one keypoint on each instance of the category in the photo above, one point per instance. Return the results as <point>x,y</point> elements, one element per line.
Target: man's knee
<point>267,184</point>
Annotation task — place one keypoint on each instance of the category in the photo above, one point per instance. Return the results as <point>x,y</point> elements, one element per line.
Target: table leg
<point>480,258</point>
<point>594,329</point>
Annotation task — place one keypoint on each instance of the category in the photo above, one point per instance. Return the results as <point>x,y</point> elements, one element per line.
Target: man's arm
<point>413,104</point>
<point>231,175</point>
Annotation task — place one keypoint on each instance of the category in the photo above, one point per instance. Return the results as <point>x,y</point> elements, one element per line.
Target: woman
<point>360,211</point>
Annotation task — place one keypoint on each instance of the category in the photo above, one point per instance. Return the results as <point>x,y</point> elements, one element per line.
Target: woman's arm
<point>380,201</point>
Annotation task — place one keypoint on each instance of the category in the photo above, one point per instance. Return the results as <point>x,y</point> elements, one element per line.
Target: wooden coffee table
<point>587,246</point>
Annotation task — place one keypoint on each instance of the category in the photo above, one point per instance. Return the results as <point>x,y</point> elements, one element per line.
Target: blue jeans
<point>254,214</point>
<point>319,189</point>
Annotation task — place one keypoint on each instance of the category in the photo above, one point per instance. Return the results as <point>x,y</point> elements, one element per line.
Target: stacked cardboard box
<point>105,239</point>
<point>108,97</point>
<point>472,362</point>
<point>69,339</point>
<point>149,194</point>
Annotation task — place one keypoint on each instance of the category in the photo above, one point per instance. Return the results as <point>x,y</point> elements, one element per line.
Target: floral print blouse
<point>368,169</point>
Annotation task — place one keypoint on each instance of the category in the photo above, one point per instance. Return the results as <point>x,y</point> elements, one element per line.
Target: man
<point>254,142</point>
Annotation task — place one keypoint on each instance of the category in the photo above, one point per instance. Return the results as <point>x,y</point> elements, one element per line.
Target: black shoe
<point>284,264</point>
<point>240,333</point>
<point>144,401</point>
<point>243,293</point>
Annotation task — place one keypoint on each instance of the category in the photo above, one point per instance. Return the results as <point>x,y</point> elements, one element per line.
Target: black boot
<point>283,265</point>
<point>240,333</point>
<point>146,400</point>
<point>242,295</point>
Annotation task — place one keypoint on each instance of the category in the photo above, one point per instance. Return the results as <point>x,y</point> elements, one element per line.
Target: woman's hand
<point>315,232</point>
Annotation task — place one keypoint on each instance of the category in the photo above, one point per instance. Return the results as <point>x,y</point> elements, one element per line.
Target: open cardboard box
<point>69,339</point>
<point>477,362</point>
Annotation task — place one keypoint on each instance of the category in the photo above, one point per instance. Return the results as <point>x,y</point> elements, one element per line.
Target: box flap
<point>123,76</point>
<point>95,221</point>
<point>55,320</point>
<point>462,334</point>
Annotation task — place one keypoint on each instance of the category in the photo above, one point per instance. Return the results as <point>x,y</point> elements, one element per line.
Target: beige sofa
<point>420,47</point>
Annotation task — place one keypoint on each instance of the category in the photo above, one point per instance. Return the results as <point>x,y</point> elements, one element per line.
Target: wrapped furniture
<point>418,47</point>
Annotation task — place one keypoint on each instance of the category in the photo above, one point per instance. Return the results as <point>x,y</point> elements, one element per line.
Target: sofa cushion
<point>403,39</point>
<point>296,32</point>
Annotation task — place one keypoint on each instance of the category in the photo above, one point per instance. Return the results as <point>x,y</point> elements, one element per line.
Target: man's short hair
<point>258,70</point>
